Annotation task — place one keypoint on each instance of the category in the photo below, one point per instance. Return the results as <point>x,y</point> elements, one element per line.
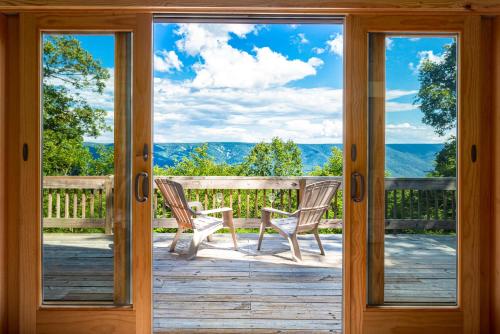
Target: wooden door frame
<point>33,315</point>
<point>465,317</point>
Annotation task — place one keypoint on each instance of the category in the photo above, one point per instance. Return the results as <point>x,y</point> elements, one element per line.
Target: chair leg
<point>261,234</point>
<point>176,238</point>
<point>294,247</point>
<point>316,235</point>
<point>195,244</point>
<point>228,221</point>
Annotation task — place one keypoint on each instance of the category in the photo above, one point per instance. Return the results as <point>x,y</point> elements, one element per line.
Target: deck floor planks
<point>227,291</point>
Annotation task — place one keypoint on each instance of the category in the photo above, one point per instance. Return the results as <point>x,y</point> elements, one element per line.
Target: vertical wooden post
<point>108,190</point>
<point>376,184</point>
<point>302,188</point>
<point>122,169</point>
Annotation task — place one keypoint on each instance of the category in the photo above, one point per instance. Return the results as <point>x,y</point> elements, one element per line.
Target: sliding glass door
<point>414,158</point>
<point>85,115</point>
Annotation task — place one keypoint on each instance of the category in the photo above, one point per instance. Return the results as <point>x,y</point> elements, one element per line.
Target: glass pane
<point>244,115</point>
<point>412,169</point>
<point>86,168</point>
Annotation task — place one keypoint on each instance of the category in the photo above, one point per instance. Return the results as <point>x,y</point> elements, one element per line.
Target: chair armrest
<point>207,212</point>
<point>273,210</point>
<point>197,205</point>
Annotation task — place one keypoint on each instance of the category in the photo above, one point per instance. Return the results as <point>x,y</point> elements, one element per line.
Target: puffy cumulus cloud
<point>223,66</point>
<point>166,61</point>
<point>228,67</point>
<point>336,44</point>
<point>198,37</point>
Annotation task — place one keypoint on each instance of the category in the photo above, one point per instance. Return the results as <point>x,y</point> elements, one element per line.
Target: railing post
<point>302,188</point>
<point>108,189</point>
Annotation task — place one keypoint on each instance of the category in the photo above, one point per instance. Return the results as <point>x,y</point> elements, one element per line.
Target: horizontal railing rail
<point>87,201</point>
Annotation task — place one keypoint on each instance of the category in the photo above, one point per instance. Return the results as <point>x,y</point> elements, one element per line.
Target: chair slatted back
<point>173,193</point>
<point>315,201</point>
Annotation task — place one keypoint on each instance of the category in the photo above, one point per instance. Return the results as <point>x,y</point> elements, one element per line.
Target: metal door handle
<point>354,187</point>
<point>144,187</point>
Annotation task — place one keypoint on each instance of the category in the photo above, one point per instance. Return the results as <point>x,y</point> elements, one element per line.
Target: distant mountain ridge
<point>410,160</point>
<point>402,160</point>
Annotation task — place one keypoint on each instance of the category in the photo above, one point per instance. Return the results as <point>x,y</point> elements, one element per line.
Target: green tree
<point>277,158</point>
<point>199,163</point>
<point>437,98</point>
<point>334,165</point>
<point>67,117</point>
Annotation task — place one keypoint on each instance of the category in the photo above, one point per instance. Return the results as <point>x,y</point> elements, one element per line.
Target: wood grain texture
<point>121,171</point>
<point>376,152</point>
<point>13,155</point>
<point>3,174</point>
<point>29,216</point>
<point>142,247</point>
<point>495,226</point>
<point>339,6</point>
<point>486,173</point>
<point>355,118</point>
<point>83,321</point>
<point>469,192</point>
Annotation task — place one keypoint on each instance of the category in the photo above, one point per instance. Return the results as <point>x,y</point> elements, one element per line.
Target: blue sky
<point>241,82</point>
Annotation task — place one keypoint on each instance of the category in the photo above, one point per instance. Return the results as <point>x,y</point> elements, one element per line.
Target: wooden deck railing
<point>87,202</point>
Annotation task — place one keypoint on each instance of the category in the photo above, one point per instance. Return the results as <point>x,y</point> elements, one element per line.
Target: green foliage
<point>437,95</point>
<point>437,98</point>
<point>104,162</point>
<point>277,158</point>
<point>67,117</point>
<point>446,160</point>
<point>333,167</point>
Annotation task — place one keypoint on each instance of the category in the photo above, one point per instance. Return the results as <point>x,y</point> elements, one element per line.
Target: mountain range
<point>402,160</point>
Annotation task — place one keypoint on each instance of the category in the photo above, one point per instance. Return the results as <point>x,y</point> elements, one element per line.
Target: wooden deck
<point>227,291</point>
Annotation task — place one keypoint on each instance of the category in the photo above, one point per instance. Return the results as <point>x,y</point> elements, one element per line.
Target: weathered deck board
<point>227,291</point>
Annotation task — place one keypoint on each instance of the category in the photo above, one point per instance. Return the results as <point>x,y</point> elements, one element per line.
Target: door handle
<point>357,196</point>
<point>144,188</point>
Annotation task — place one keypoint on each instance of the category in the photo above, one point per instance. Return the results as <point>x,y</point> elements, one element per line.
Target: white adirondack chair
<point>315,200</point>
<point>198,220</point>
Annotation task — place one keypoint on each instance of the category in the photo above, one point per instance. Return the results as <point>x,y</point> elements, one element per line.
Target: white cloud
<point>408,133</point>
<point>424,56</point>
<point>223,66</point>
<point>414,39</point>
<point>199,37</point>
<point>392,106</point>
<point>302,38</point>
<point>166,61</point>
<point>397,93</point>
<point>389,43</point>
<point>318,51</point>
<point>336,44</point>
<point>401,126</point>
<point>248,115</point>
